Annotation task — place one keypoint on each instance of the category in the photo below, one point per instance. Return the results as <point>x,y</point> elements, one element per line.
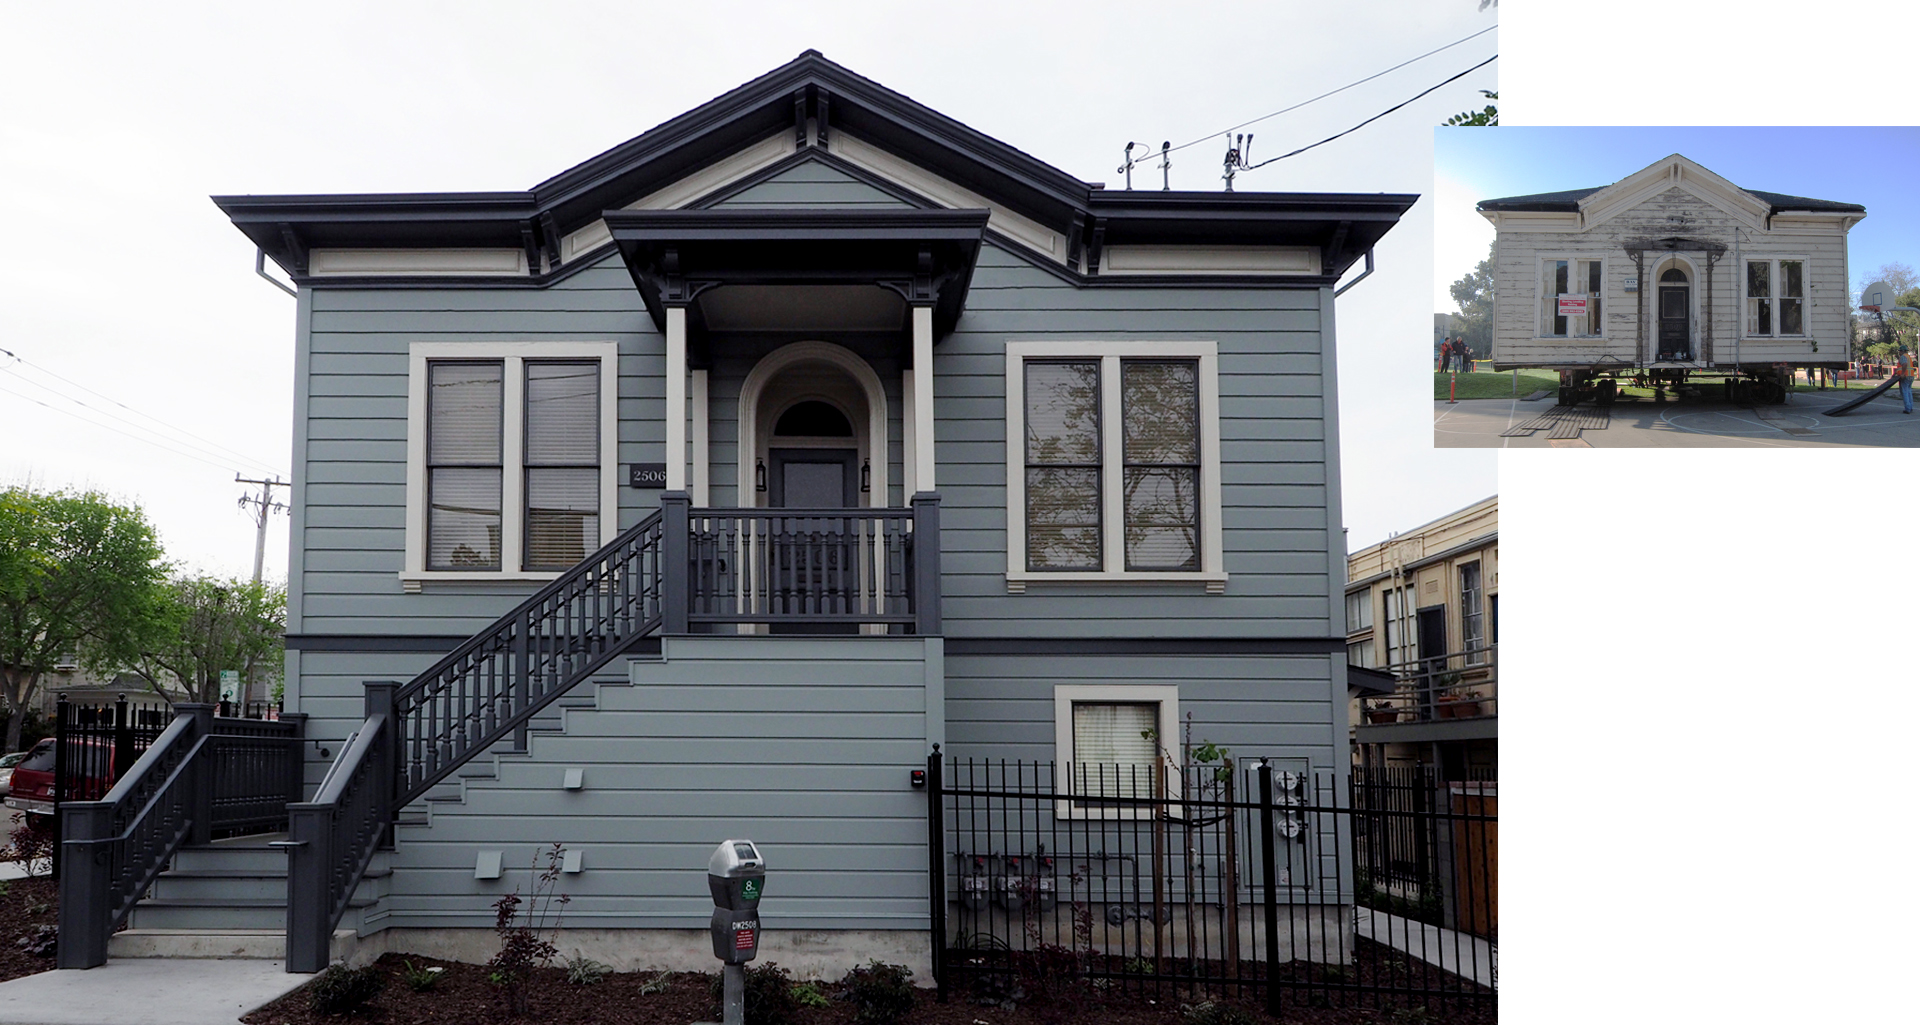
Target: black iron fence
<point>1251,881</point>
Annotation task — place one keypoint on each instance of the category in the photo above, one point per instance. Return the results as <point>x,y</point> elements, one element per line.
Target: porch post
<point>699,401</point>
<point>922,398</point>
<point>676,372</point>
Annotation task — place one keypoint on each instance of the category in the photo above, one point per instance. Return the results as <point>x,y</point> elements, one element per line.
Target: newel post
<point>387,751</point>
<point>296,756</point>
<point>675,560</point>
<point>86,884</point>
<point>200,778</point>
<point>926,563</point>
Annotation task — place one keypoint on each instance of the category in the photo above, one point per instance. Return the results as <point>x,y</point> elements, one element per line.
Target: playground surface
<point>1645,423</point>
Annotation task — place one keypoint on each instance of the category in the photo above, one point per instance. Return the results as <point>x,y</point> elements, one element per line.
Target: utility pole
<point>263,506</point>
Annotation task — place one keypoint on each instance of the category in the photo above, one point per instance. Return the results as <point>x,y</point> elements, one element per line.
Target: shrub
<point>769,994</point>
<point>420,979</point>
<point>340,989</point>
<point>808,994</point>
<point>880,993</point>
<point>527,944</point>
<point>1208,1012</point>
<point>585,971</point>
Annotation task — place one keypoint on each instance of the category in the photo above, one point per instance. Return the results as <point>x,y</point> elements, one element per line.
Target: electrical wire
<point>1322,96</point>
<point>157,443</point>
<point>1375,117</point>
<point>205,445</point>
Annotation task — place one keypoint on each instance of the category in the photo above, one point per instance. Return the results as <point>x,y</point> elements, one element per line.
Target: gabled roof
<point>1573,200</point>
<point>1342,226</point>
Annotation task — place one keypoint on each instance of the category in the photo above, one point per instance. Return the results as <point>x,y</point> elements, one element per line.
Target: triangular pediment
<point>811,182</point>
<point>1675,172</point>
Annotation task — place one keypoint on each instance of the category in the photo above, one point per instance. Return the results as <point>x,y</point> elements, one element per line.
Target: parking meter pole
<point>733,1003</point>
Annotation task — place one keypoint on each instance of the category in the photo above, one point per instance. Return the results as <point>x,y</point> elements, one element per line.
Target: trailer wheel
<point>1567,395</point>
<point>1609,390</point>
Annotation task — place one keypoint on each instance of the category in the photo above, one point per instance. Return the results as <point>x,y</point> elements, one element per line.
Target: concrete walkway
<point>1462,954</point>
<point>146,991</point>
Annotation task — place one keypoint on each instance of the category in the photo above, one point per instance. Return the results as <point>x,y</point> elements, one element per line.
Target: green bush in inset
<point>340,989</point>
<point>880,993</point>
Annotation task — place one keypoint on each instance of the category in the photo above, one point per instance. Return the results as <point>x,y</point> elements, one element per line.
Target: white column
<point>907,452</point>
<point>699,492</point>
<point>676,398</point>
<point>923,398</point>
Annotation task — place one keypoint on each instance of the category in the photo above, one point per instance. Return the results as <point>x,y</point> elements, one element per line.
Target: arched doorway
<point>1673,311</point>
<point>813,423</point>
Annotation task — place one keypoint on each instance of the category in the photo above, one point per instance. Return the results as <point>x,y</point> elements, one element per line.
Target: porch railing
<point>846,567</point>
<point>202,775</point>
<point>1461,684</point>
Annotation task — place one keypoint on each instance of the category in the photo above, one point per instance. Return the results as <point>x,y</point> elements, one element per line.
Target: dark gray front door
<point>1674,304</point>
<point>814,560</point>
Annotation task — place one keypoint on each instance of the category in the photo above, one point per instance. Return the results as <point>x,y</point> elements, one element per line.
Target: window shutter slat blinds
<point>563,455</point>
<point>463,459</point>
<point>1111,757</point>
<point>1063,465</point>
<point>1161,407</point>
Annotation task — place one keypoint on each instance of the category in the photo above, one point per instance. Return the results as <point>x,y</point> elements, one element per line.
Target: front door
<point>1674,306</point>
<point>813,560</point>
<point>1433,654</point>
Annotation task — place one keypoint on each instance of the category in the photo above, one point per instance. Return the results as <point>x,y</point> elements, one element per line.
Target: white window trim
<point>1540,296</point>
<point>513,483</point>
<point>1066,695</point>
<point>1212,571</point>
<point>1773,279</point>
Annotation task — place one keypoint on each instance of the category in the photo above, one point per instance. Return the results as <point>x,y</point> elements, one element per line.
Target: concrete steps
<point>229,899</point>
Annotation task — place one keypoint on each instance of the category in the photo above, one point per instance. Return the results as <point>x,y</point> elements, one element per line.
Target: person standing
<point>1903,370</point>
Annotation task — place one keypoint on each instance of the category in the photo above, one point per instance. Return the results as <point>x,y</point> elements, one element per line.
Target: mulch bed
<point>463,996</point>
<point>26,904</point>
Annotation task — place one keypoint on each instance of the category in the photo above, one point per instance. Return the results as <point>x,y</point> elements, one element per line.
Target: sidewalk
<point>1464,955</point>
<point>146,991</point>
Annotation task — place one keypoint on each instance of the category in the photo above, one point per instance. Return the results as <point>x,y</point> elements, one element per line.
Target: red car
<point>32,783</point>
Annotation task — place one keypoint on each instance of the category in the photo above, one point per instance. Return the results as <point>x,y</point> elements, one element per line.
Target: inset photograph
<point>1657,287</point>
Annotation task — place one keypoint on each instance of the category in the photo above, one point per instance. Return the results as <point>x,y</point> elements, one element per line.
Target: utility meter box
<point>736,874</point>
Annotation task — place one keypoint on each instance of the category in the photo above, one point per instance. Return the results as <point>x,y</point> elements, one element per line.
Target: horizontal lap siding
<point>1273,458</point>
<point>355,434</point>
<point>800,744</point>
<point>1517,283</point>
<point>1278,706</point>
<point>811,185</point>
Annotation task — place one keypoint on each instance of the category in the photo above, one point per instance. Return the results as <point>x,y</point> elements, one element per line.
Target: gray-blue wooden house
<point>703,489</point>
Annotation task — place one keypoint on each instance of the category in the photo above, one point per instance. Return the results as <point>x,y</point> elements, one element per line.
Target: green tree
<point>1474,295</point>
<point>1488,116</point>
<point>202,625</point>
<point>78,575</point>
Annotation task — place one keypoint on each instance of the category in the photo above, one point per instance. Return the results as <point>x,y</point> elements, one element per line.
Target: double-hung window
<point>1113,464</point>
<point>1776,298</point>
<point>1360,620</point>
<point>1576,280</point>
<point>511,472</point>
<point>1400,626</point>
<point>1109,739</point>
<point>1473,636</point>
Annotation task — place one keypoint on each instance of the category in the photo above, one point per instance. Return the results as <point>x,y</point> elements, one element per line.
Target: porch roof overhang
<point>925,256</point>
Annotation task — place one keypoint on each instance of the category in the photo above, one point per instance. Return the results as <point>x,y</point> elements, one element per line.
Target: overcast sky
<point>125,280</point>
<point>1875,167</point>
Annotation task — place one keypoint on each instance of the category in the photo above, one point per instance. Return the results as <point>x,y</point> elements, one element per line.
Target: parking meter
<point>736,874</point>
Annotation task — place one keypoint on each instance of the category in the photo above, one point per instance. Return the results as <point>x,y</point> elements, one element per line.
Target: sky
<point>134,287</point>
<point>1875,167</point>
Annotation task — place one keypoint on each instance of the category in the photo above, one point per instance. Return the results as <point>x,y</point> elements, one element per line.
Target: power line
<point>1375,117</point>
<point>1344,88</point>
<point>207,445</point>
<point>156,442</point>
<point>175,442</point>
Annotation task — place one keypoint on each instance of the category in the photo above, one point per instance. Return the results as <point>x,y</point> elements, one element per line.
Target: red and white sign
<point>1573,306</point>
<point>743,939</point>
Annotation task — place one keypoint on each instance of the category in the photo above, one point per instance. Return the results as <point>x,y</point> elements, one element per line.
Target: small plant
<point>585,971</point>
<point>1209,1012</point>
<point>1137,966</point>
<point>808,994</point>
<point>880,993</point>
<point>420,979</point>
<point>527,944</point>
<point>40,941</point>
<point>658,984</point>
<point>6,887</point>
<point>769,994</point>
<point>32,844</point>
<point>38,908</point>
<point>340,989</point>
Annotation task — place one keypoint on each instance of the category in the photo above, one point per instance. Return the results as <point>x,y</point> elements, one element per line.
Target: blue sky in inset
<point>1878,168</point>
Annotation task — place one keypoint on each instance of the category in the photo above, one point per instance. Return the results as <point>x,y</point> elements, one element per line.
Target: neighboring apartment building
<point>1424,605</point>
<point>703,489</point>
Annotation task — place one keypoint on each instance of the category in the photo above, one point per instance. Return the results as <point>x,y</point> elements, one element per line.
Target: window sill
<point>1216,581</point>
<point>412,583</point>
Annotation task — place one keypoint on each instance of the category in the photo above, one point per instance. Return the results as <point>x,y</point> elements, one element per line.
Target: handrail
<point>333,838</point>
<point>131,780</point>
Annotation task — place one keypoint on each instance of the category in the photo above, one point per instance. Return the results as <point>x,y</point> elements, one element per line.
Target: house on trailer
<point>1670,273</point>
<point>707,488</point>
